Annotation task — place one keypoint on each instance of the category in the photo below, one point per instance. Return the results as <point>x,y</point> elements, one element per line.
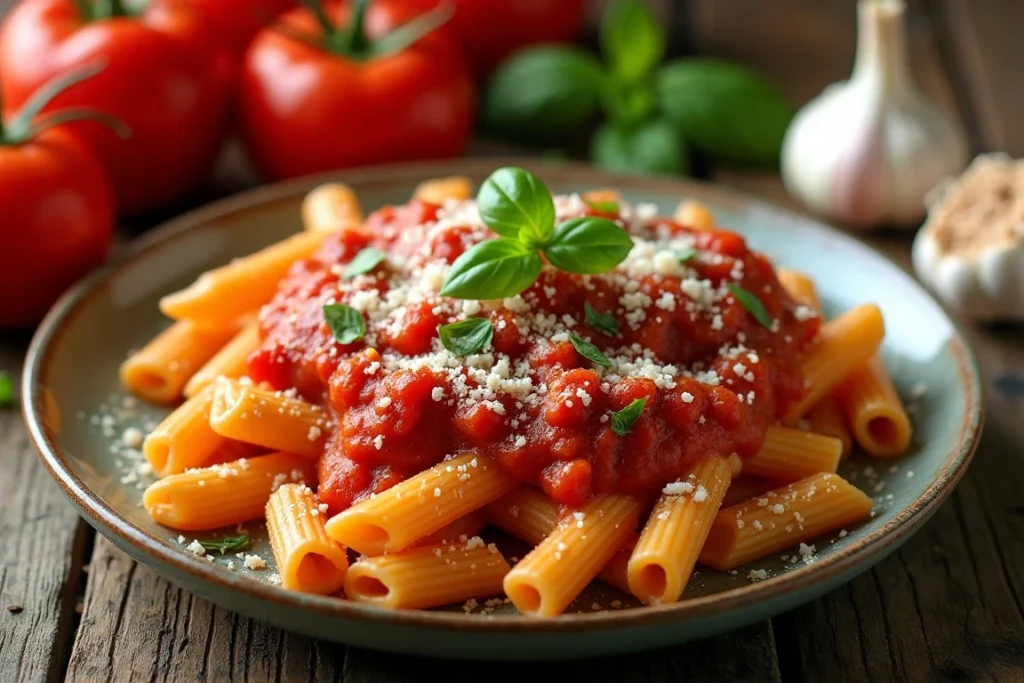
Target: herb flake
<point>605,323</point>
<point>589,351</point>
<point>346,323</point>
<point>751,303</point>
<point>466,337</point>
<point>623,420</point>
<point>6,389</point>
<point>223,545</point>
<point>365,261</point>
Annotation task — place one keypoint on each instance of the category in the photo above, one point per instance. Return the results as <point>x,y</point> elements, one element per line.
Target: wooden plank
<point>137,626</point>
<point>41,548</point>
<point>985,55</point>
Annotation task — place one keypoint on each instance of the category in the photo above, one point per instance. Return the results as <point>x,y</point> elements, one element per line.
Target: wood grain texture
<point>41,543</point>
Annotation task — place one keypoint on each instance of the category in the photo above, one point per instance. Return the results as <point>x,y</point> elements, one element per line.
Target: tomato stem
<point>355,42</point>
<point>25,126</point>
<point>326,26</point>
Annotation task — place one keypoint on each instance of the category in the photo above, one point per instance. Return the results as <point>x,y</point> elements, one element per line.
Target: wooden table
<point>948,606</point>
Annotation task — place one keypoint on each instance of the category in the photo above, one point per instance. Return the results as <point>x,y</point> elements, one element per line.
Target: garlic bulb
<point>866,151</point>
<point>970,252</point>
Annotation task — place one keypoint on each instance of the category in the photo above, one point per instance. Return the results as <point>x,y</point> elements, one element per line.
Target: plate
<point>76,412</point>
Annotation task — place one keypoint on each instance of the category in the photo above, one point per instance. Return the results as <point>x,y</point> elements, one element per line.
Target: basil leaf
<point>543,94</point>
<point>588,245</point>
<point>589,351</point>
<point>603,207</point>
<point>602,322</point>
<point>365,261</point>
<point>687,254</point>
<point>517,204</point>
<point>655,147</point>
<point>493,269</point>
<point>225,544</point>
<point>346,323</point>
<point>631,39</point>
<point>466,337</point>
<point>6,389</point>
<point>726,111</point>
<point>623,420</point>
<point>749,301</point>
<point>628,103</point>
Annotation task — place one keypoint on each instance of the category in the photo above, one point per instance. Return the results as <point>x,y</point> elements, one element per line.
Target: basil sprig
<point>346,323</point>
<point>623,420</point>
<point>751,303</point>
<point>518,206</point>
<point>225,544</point>
<point>466,337</point>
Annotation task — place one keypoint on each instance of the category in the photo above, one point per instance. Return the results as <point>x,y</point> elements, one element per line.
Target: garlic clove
<point>866,151</point>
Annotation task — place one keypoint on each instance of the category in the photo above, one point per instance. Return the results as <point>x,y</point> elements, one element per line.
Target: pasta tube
<point>744,488</point>
<point>330,207</point>
<point>827,418</point>
<point>229,361</point>
<point>227,293</point>
<point>844,345</point>
<point>268,418</point>
<point>791,454</point>
<point>419,506</point>
<point>221,495</point>
<point>158,372</point>
<point>880,423</point>
<point>464,527</point>
<point>550,577</point>
<point>430,576</point>
<point>695,215</point>
<point>800,286</point>
<point>184,439</point>
<point>440,190</point>
<point>307,560</point>
<point>666,553</point>
<point>781,519</point>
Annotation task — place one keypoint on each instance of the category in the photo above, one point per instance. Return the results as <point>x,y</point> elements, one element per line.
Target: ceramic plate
<point>71,383</point>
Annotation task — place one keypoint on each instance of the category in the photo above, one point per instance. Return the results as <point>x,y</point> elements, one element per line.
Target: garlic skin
<point>866,151</point>
<point>970,252</point>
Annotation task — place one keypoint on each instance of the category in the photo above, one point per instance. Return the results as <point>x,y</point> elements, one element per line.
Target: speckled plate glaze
<point>71,376</point>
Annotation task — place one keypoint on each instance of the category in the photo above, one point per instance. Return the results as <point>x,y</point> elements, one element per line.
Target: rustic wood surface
<point>948,606</point>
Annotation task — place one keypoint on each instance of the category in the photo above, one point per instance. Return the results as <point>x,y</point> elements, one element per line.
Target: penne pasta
<point>660,565</point>
<point>330,207</point>
<point>550,577</point>
<point>159,371</point>
<point>227,293</point>
<point>440,190</point>
<point>782,518</point>
<point>800,286</point>
<point>268,418</point>
<point>695,215</point>
<point>870,402</point>
<point>745,487</point>
<point>827,418</point>
<point>792,454</point>
<point>602,196</point>
<point>307,559</point>
<point>530,516</point>
<point>184,439</point>
<point>226,494</point>
<point>461,529</point>
<point>420,506</point>
<point>430,576</point>
<point>844,345</point>
<point>229,361</point>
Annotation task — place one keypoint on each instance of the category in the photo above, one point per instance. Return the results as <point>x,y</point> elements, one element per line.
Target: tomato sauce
<point>713,376</point>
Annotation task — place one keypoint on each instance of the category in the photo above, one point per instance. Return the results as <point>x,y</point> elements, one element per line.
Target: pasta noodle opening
<point>882,430</point>
<point>363,534</point>
<point>314,568</point>
<point>654,580</point>
<point>527,599</point>
<point>160,504</point>
<point>370,587</point>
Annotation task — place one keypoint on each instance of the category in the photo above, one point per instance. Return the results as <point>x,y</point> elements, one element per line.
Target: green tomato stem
<point>355,41</point>
<point>317,9</point>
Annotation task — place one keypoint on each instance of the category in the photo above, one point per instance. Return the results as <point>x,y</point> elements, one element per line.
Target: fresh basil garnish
<point>466,337</point>
<point>623,420</point>
<point>588,245</point>
<point>749,301</point>
<point>225,544</point>
<point>687,254</point>
<point>493,269</point>
<point>365,261</point>
<point>602,322</point>
<point>516,204</point>
<point>589,351</point>
<point>631,40</point>
<point>6,389</point>
<point>346,323</point>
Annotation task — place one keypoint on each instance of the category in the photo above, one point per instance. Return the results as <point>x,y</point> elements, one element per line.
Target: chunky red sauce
<point>713,375</point>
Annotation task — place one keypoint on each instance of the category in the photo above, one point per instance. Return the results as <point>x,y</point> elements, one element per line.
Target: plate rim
<point>861,553</point>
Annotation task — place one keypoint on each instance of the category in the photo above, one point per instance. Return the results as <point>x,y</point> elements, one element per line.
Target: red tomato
<point>56,222</point>
<point>307,109</point>
<point>165,79</point>
<point>489,31</point>
<point>235,22</point>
